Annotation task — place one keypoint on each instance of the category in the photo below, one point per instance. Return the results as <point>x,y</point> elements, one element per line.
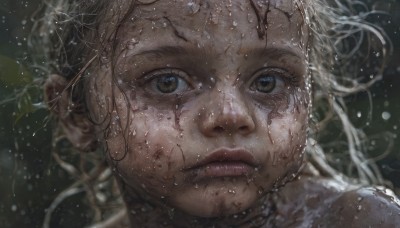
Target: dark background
<point>30,178</point>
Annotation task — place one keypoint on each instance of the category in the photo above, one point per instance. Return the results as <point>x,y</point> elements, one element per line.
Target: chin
<point>216,201</point>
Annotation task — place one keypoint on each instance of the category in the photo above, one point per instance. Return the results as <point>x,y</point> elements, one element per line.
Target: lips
<point>224,163</point>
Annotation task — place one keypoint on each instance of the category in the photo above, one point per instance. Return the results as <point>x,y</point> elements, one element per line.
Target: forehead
<point>206,22</point>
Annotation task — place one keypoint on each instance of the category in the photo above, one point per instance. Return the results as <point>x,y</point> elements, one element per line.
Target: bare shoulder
<point>323,202</point>
<point>365,207</point>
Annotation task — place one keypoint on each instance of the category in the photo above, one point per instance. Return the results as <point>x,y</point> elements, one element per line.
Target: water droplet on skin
<point>132,43</point>
<point>193,7</point>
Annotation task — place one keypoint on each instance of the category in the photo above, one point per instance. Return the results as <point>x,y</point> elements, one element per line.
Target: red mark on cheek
<point>183,155</point>
<point>158,154</point>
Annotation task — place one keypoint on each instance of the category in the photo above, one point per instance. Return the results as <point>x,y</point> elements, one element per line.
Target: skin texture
<point>153,141</point>
<point>157,142</point>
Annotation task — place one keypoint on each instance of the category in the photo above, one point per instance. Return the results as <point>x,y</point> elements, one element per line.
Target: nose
<point>226,113</point>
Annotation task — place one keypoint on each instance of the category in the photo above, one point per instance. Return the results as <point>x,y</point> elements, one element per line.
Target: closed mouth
<point>224,163</point>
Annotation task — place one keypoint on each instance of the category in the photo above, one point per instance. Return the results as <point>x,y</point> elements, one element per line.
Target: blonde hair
<point>339,33</point>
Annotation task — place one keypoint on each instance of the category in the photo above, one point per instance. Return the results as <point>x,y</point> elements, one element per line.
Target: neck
<point>143,210</point>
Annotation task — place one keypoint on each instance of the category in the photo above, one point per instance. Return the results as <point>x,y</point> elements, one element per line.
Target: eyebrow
<point>163,51</point>
<point>269,52</point>
<point>274,52</point>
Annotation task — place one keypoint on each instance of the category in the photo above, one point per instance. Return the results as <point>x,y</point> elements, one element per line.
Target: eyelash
<point>182,80</point>
<point>287,78</point>
<point>279,76</point>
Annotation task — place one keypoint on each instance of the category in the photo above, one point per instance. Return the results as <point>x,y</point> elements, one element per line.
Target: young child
<point>203,108</point>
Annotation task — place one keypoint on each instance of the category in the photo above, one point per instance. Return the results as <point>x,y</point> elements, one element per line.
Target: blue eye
<point>268,80</point>
<point>168,81</point>
<point>265,83</point>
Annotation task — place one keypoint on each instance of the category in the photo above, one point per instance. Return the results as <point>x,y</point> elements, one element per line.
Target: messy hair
<point>340,36</point>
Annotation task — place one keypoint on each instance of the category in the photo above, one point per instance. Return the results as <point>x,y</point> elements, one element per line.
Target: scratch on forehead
<point>283,5</point>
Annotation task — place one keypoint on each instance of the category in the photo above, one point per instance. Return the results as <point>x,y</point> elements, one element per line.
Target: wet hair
<point>340,38</point>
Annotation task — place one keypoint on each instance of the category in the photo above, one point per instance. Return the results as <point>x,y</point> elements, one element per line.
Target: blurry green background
<point>29,177</point>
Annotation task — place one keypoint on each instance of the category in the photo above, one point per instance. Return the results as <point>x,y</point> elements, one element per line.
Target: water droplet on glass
<point>386,115</point>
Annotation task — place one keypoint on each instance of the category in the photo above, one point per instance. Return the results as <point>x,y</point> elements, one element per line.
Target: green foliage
<point>12,73</point>
<point>21,87</point>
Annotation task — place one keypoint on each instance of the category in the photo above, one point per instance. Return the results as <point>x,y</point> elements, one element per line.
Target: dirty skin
<point>227,101</point>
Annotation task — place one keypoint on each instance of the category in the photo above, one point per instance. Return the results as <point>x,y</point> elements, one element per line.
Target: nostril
<point>218,129</point>
<point>243,128</point>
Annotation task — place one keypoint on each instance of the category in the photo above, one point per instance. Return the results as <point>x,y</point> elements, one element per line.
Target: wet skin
<point>206,113</point>
<point>208,116</point>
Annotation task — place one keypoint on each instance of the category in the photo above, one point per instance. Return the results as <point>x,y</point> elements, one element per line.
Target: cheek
<point>289,129</point>
<point>150,155</point>
<point>289,134</point>
<point>286,142</point>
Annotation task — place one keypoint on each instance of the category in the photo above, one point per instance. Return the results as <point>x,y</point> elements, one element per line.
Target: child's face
<point>204,114</point>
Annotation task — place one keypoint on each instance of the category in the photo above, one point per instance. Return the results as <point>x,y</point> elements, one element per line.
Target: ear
<point>77,127</point>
